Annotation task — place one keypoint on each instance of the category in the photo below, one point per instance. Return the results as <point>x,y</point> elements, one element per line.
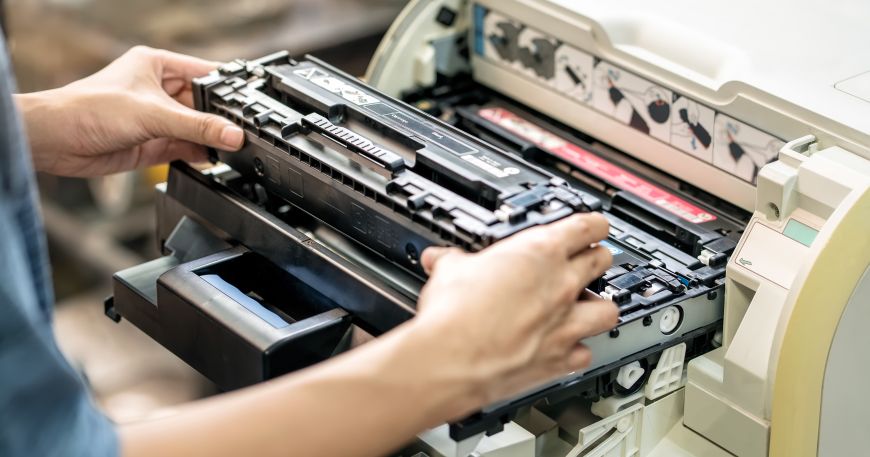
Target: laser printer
<point>728,145</point>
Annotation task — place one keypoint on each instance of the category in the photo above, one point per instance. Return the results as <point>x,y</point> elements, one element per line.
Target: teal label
<point>800,232</point>
<point>610,247</point>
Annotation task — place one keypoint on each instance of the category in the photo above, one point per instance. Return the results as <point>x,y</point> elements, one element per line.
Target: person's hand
<point>512,316</point>
<point>135,112</point>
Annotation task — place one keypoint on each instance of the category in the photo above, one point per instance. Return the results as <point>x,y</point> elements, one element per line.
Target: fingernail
<point>232,137</point>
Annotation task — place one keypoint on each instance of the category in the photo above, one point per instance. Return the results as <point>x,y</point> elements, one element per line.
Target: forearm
<point>54,120</point>
<point>44,115</point>
<point>363,405</point>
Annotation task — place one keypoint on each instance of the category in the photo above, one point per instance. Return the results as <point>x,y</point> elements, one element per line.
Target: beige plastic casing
<point>653,42</point>
<point>729,396</point>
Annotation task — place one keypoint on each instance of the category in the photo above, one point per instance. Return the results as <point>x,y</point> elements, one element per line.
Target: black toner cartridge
<point>379,171</point>
<point>397,180</point>
<point>276,257</point>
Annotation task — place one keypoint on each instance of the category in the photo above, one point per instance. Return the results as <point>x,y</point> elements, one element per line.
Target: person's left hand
<point>135,112</point>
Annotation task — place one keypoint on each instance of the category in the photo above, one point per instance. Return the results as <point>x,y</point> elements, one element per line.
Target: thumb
<point>432,255</point>
<point>183,123</point>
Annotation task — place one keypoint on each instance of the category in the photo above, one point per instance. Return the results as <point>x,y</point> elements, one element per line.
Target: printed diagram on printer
<point>501,40</point>
<point>632,100</point>
<point>742,150</point>
<point>692,128</point>
<point>574,73</point>
<point>538,56</point>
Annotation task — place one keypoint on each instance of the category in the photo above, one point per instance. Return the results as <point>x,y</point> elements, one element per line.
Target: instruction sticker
<point>741,149</point>
<point>337,86</point>
<point>596,166</point>
<point>692,128</point>
<point>573,73</point>
<point>632,100</point>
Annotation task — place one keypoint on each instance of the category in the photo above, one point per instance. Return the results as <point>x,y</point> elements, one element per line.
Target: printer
<point>728,145</point>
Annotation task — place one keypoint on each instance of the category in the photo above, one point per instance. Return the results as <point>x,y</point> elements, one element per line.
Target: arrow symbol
<point>744,261</point>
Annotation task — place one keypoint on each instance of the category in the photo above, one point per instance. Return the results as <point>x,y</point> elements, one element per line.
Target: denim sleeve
<point>45,407</point>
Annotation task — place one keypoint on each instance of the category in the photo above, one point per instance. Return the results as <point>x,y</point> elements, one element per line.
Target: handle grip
<point>355,143</point>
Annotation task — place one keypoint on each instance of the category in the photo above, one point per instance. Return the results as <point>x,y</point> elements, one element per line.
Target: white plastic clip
<point>607,293</point>
<point>629,374</point>
<point>705,256</point>
<point>668,374</point>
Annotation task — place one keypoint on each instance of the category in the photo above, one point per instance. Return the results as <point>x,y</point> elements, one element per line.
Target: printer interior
<point>331,171</point>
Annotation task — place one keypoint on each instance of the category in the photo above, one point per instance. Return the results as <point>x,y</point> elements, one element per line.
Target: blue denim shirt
<point>45,407</point>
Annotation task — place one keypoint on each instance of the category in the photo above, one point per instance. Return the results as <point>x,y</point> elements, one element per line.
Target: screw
<point>413,255</point>
<point>775,209</point>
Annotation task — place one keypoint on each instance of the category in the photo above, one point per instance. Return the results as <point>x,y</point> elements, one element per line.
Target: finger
<point>182,66</point>
<point>170,119</point>
<point>432,255</point>
<point>586,319</point>
<point>185,97</point>
<point>590,264</point>
<point>161,151</point>
<point>579,358</point>
<point>543,372</point>
<point>587,295</point>
<point>577,232</point>
<point>175,87</point>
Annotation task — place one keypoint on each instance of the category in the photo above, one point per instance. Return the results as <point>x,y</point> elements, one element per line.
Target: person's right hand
<point>509,317</point>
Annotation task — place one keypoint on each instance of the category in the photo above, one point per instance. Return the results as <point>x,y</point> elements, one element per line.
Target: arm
<point>364,403</point>
<point>490,325</point>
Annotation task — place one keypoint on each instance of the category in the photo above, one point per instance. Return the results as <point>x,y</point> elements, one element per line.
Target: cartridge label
<point>596,166</point>
<point>337,86</point>
<point>490,165</point>
<point>497,166</point>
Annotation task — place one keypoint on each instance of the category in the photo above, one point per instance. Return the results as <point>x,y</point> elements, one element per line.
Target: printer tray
<point>262,320</point>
